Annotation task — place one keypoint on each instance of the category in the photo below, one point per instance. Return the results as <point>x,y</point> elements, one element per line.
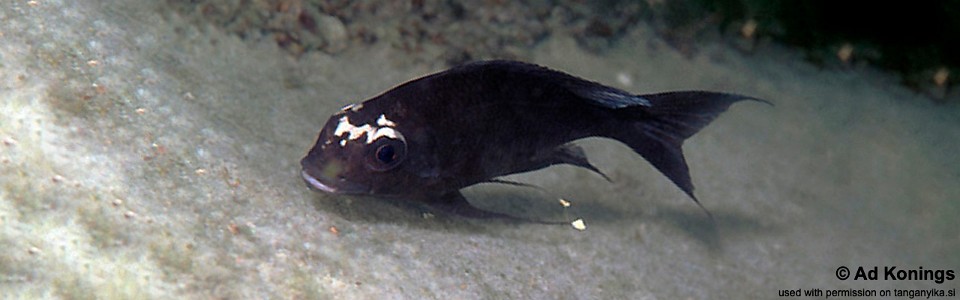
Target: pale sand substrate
<point>141,158</point>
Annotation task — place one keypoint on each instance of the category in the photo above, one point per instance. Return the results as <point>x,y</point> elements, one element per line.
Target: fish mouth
<point>313,183</point>
<point>341,187</point>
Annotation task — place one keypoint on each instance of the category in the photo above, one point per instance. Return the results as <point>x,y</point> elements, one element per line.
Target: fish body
<point>430,137</point>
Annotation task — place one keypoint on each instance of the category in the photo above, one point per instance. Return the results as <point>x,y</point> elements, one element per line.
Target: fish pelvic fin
<point>656,129</point>
<point>569,154</point>
<point>573,155</point>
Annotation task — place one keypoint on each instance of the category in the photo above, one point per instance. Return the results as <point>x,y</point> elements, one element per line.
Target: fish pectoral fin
<point>455,203</point>
<point>513,183</point>
<point>573,155</point>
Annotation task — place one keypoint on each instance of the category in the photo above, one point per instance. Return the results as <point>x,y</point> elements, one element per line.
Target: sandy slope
<point>144,158</point>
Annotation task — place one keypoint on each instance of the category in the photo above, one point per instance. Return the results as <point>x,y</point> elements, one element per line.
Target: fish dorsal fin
<point>595,93</point>
<point>602,95</point>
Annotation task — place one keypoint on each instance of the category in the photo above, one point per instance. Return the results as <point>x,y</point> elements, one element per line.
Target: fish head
<point>359,153</point>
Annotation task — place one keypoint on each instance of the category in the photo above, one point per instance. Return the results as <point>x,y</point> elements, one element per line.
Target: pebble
<point>333,32</point>
<point>624,79</point>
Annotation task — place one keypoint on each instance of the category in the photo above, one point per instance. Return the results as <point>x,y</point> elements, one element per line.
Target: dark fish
<point>430,137</point>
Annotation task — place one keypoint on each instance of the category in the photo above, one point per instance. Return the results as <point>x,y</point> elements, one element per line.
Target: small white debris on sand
<point>749,29</point>
<point>624,79</point>
<point>579,225</point>
<point>565,203</point>
<point>845,53</point>
<point>941,76</point>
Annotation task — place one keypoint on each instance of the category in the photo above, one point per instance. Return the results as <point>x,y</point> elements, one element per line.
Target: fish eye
<point>387,154</point>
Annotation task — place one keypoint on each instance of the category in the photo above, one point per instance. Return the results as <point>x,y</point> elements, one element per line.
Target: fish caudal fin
<point>656,129</point>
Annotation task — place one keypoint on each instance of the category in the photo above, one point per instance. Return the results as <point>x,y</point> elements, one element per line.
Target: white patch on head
<point>383,131</point>
<point>372,133</point>
<point>382,121</point>
<point>350,107</point>
<point>355,132</point>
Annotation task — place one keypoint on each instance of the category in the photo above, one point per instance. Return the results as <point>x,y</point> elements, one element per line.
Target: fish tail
<point>656,128</point>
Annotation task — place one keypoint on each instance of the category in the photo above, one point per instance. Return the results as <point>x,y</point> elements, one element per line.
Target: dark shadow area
<point>711,233</point>
<point>372,210</point>
<point>908,39</point>
<point>537,206</point>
